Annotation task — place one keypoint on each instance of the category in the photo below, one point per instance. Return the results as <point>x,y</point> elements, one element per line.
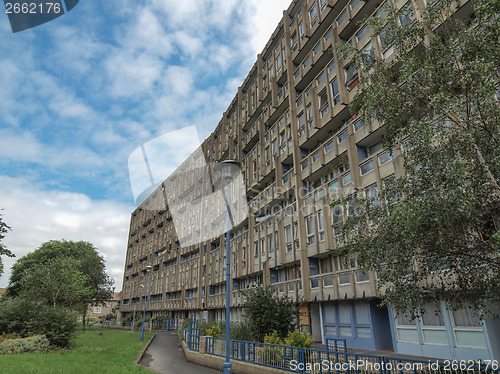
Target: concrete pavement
<point>164,355</point>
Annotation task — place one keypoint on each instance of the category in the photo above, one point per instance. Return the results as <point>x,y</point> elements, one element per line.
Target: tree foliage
<point>432,233</point>
<point>3,249</point>
<point>56,283</point>
<point>84,271</point>
<point>266,313</point>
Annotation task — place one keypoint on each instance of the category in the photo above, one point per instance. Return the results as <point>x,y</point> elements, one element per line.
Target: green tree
<point>432,233</point>
<point>3,249</point>
<point>87,261</point>
<point>266,313</point>
<point>56,282</point>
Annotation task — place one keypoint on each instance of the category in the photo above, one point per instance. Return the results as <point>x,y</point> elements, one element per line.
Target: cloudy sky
<point>79,94</point>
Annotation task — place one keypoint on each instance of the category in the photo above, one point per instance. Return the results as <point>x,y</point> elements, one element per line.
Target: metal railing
<point>336,345</point>
<point>168,325</point>
<point>316,361</point>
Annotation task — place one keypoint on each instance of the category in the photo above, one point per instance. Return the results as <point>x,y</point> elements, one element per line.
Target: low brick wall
<point>216,362</point>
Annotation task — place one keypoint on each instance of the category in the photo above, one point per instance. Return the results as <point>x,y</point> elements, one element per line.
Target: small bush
<point>25,318</point>
<point>33,344</point>
<point>241,331</point>
<point>214,331</point>
<point>299,338</point>
<point>273,338</point>
<point>5,336</point>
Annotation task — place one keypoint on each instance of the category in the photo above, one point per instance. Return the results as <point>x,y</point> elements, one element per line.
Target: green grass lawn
<point>94,351</point>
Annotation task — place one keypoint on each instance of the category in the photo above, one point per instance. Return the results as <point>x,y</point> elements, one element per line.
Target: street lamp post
<point>148,268</point>
<point>227,170</point>
<point>111,309</point>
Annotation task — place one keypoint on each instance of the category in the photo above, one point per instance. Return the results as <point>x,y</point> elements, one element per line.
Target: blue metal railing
<point>317,361</point>
<point>336,345</point>
<point>168,324</point>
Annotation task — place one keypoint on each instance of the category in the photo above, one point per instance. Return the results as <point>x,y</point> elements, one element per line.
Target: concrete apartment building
<point>290,128</point>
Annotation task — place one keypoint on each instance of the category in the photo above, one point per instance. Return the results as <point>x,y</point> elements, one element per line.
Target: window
<point>335,92</point>
<point>306,61</point>
<point>278,63</point>
<point>256,249</point>
<point>328,34</point>
<point>331,66</point>
<point>317,48</point>
<point>301,29</point>
<point>321,226</point>
<point>296,235</point>
<point>364,31</point>
<point>407,14</point>
<point>310,116</point>
<point>433,328</point>
<point>329,146</point>
<point>337,214</point>
<point>367,167</point>
<point>351,72</point>
<point>368,53</point>
<point>319,194</point>
<point>345,319</point>
<point>293,41</point>
<point>385,38</point>
<point>301,123</point>
<point>315,156</point>
<point>346,179</point>
<point>320,78</point>
<point>288,238</point>
<point>371,192</point>
<point>334,186</point>
<point>310,229</point>
<point>324,107</point>
<point>97,310</point>
<point>322,3</point>
<point>275,146</point>
<point>361,276</point>
<point>342,17</point>
<point>342,136</point>
<point>270,239</point>
<point>354,3</point>
<point>358,124</point>
<point>313,14</point>
<point>385,157</point>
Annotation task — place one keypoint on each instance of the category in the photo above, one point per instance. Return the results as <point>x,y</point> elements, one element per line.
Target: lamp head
<point>229,169</point>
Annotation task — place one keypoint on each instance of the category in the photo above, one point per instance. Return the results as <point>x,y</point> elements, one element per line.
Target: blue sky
<point>80,93</point>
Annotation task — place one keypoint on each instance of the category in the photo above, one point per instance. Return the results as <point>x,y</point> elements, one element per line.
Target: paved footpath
<point>165,356</point>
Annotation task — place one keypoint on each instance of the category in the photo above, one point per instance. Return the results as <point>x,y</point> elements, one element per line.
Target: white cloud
<point>25,147</point>
<point>264,21</point>
<point>37,216</point>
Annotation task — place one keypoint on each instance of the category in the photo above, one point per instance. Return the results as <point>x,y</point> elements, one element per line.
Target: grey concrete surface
<point>165,356</point>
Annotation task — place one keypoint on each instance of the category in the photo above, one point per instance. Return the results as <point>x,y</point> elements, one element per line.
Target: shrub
<point>33,344</point>
<point>214,331</point>
<point>5,336</point>
<point>272,354</point>
<point>241,331</point>
<point>126,321</point>
<point>25,318</point>
<point>273,338</point>
<point>299,338</point>
<point>266,312</point>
